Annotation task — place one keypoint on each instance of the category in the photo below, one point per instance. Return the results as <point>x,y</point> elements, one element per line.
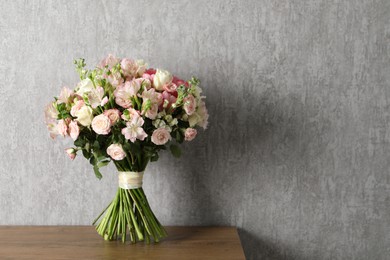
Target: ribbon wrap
<point>130,180</point>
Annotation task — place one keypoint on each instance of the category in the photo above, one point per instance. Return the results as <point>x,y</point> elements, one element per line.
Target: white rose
<point>161,78</point>
<point>84,115</point>
<point>84,86</point>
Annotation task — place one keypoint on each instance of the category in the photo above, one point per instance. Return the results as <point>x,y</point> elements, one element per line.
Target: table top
<point>82,242</point>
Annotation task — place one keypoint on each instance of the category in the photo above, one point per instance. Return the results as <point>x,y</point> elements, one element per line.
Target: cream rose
<point>84,115</point>
<point>161,136</point>
<point>84,86</point>
<point>116,152</point>
<point>101,124</point>
<point>161,78</point>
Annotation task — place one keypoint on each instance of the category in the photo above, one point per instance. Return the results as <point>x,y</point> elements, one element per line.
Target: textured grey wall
<point>297,152</point>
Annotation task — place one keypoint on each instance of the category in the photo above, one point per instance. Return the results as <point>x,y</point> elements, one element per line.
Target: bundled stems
<point>130,212</point>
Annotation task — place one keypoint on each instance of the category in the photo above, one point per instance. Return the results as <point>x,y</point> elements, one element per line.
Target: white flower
<point>84,86</point>
<point>134,130</point>
<point>95,97</point>
<point>84,115</point>
<point>161,78</point>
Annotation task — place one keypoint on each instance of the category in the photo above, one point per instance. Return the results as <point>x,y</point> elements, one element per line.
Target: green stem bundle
<point>130,212</point>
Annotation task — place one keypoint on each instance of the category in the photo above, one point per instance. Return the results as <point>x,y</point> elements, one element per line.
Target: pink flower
<point>74,130</point>
<point>129,68</point>
<point>131,115</point>
<point>101,124</point>
<point>179,82</point>
<point>168,100</point>
<point>62,128</point>
<point>53,130</point>
<point>76,107</point>
<point>104,101</point>
<point>110,61</point>
<point>172,87</point>
<point>134,130</point>
<point>115,78</point>
<point>71,152</point>
<point>152,112</point>
<point>65,94</point>
<point>116,152</point>
<point>150,71</point>
<point>152,95</point>
<point>189,104</point>
<point>51,114</point>
<point>113,114</point>
<point>190,134</point>
<point>125,92</point>
<point>160,136</point>
<point>204,115</point>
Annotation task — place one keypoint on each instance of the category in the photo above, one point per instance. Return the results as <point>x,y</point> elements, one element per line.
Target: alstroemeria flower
<point>95,97</point>
<point>65,95</point>
<point>134,130</point>
<point>125,92</point>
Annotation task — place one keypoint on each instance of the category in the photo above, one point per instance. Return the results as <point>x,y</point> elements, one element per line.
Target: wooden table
<point>82,242</point>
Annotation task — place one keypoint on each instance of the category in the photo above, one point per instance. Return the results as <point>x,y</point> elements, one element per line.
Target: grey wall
<point>297,152</point>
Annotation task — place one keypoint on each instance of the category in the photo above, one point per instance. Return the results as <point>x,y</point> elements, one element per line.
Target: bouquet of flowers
<point>124,112</point>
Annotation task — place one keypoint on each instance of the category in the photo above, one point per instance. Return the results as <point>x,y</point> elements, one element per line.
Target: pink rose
<point>179,82</point>
<point>62,128</point>
<point>172,87</point>
<point>101,124</point>
<point>189,104</point>
<point>113,114</point>
<point>129,68</point>
<point>71,152</point>
<point>116,152</point>
<point>160,136</point>
<point>74,130</point>
<point>190,134</point>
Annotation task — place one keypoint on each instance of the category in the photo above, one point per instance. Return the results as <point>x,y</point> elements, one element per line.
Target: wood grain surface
<point>82,242</point>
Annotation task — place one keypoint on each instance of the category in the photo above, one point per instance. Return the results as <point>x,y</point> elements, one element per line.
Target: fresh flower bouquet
<point>124,112</point>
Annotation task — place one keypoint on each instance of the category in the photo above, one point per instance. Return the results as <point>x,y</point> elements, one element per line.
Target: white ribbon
<point>130,180</point>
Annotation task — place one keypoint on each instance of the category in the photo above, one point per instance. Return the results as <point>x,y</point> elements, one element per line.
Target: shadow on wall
<point>229,168</point>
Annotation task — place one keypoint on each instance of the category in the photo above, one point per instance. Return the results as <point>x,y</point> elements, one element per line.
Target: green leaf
<point>80,142</point>
<point>97,172</point>
<point>175,150</point>
<point>86,153</point>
